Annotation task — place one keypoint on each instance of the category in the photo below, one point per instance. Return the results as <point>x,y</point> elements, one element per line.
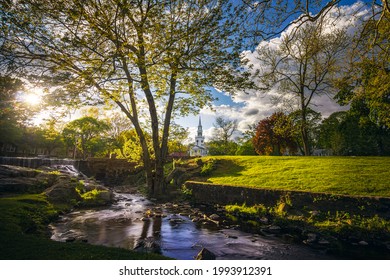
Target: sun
<point>33,97</point>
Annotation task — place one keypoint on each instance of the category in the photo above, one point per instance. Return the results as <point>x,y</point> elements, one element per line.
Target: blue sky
<point>249,109</point>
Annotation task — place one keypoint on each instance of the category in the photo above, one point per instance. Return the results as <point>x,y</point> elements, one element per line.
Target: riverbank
<point>30,199</point>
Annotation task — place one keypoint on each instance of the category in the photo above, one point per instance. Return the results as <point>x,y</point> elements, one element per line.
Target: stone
<point>323,241</point>
<point>214,217</point>
<point>195,220</point>
<point>174,222</point>
<point>311,238</point>
<point>105,197</point>
<point>232,236</point>
<point>184,214</point>
<point>363,243</point>
<point>70,239</point>
<point>205,254</point>
<point>264,220</point>
<point>63,191</point>
<point>274,228</point>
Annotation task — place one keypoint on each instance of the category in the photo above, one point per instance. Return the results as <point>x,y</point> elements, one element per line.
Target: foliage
<point>178,136</point>
<point>207,167</point>
<point>130,147</point>
<point>313,120</point>
<point>301,67</point>
<point>337,175</point>
<point>221,148</point>
<point>275,135</point>
<point>367,79</point>
<point>222,142</point>
<point>224,129</point>
<point>245,148</point>
<point>85,135</point>
<point>353,133</point>
<point>258,209</point>
<point>147,58</point>
<point>12,113</point>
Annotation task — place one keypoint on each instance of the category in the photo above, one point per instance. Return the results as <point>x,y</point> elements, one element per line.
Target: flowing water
<point>123,225</point>
<point>171,233</point>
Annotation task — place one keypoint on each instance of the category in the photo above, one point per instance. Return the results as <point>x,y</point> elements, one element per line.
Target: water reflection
<point>173,235</point>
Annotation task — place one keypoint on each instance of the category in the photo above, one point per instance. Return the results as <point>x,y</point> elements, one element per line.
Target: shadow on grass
<point>227,168</point>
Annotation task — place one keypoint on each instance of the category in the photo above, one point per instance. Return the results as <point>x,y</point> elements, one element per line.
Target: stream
<point>172,234</point>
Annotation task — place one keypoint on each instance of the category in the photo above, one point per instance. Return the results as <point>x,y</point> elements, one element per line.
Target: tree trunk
<point>305,134</point>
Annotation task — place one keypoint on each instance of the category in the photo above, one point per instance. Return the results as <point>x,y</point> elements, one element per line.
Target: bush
<point>207,168</point>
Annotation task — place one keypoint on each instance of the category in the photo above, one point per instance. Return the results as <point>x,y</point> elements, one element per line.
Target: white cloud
<point>251,106</point>
<point>258,105</point>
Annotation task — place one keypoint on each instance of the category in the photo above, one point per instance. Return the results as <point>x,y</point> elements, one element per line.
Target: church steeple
<point>199,148</point>
<point>200,129</point>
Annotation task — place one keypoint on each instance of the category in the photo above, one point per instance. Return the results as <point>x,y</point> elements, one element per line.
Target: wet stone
<point>174,222</point>
<point>205,254</point>
<point>214,217</point>
<point>232,236</point>
<point>323,241</point>
<point>264,220</point>
<point>274,228</point>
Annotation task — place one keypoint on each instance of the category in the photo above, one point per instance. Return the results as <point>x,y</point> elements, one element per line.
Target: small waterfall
<point>35,162</point>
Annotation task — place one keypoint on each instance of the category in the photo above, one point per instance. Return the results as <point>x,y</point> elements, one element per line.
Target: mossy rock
<point>63,191</point>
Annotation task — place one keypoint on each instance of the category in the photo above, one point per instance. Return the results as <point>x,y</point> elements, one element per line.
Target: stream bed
<point>171,233</point>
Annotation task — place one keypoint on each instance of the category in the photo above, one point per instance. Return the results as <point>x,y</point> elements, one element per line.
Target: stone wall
<point>294,200</point>
<point>106,169</point>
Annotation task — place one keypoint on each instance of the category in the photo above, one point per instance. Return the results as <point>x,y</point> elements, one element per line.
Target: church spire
<point>200,129</point>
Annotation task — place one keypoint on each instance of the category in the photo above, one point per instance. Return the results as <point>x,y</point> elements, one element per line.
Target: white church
<point>199,148</point>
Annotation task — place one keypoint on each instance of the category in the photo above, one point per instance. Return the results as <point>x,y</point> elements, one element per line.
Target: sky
<point>249,109</point>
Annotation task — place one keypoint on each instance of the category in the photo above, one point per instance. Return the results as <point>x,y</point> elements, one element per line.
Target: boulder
<point>205,254</point>
<point>63,192</point>
<point>215,217</point>
<point>7,171</point>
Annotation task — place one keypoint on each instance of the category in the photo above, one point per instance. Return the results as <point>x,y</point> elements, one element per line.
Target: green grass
<point>366,176</point>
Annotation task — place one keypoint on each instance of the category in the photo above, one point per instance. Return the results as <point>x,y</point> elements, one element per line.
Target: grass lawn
<point>367,176</point>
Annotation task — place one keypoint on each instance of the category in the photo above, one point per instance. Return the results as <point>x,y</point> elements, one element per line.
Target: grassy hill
<point>367,176</point>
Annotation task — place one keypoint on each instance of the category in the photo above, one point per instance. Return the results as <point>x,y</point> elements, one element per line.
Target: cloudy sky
<point>250,108</point>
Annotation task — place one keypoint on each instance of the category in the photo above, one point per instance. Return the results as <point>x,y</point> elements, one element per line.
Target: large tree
<point>367,79</point>
<point>301,67</point>
<point>150,58</point>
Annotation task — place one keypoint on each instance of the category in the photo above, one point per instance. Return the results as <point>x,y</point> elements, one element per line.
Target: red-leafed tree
<point>274,135</point>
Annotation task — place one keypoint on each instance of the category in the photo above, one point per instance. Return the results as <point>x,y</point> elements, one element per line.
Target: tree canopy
<point>149,58</point>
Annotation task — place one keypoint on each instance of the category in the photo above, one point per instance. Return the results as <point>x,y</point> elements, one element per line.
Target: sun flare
<point>33,97</point>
